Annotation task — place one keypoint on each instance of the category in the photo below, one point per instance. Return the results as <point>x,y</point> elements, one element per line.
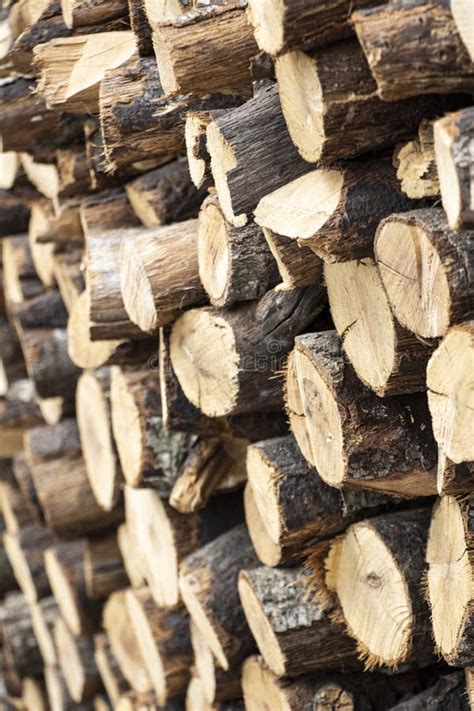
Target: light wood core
<point>194,129</point>
<point>204,663</point>
<point>43,633</point>
<point>464,19</point>
<point>301,102</point>
<point>261,475</point>
<point>126,427</point>
<point>450,381</point>
<point>20,566</point>
<point>56,688</point>
<point>96,438</point>
<point>223,161</point>
<point>260,688</point>
<point>362,316</point>
<point>205,360</point>
<point>450,185</point>
<point>450,575</point>
<point>373,596</point>
<point>84,352</point>
<point>414,278</point>
<point>301,208</point>
<point>266,18</point>
<point>295,408</point>
<point>136,290</point>
<point>32,695</point>
<point>268,552</point>
<point>213,252</point>
<point>63,591</point>
<point>69,659</point>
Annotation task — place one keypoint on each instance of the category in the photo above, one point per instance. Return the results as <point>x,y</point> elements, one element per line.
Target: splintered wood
<point>236,355</point>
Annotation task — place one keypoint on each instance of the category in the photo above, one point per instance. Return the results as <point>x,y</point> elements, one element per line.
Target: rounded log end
<point>164,59</point>
<point>66,10</point>
<point>268,551</point>
<point>223,160</point>
<point>64,591</point>
<point>205,361</point>
<point>126,427</point>
<point>449,576</point>
<point>33,696</point>
<point>214,253</point>
<point>42,628</point>
<point>84,352</point>
<point>462,14</point>
<point>193,131</point>
<point>266,19</point>
<point>373,595</point>
<point>20,567</point>
<point>136,290</point>
<point>69,660</point>
<point>449,183</point>
<point>301,102</point>
<point>421,304</point>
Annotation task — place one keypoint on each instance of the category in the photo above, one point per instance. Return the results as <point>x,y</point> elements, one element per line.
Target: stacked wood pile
<point>237,355</point>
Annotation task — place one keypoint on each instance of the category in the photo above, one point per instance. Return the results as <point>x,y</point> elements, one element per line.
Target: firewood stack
<point>236,355</point>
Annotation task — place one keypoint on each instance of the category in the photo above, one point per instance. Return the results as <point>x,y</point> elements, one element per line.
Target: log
<point>452,138</point>
<point>332,211</point>
<point>131,555</point>
<point>358,441</point>
<point>298,265</point>
<point>68,275</point>
<point>97,442</point>
<point>295,634</point>
<point>43,618</point>
<point>166,537</point>
<point>73,172</point>
<point>7,578</point>
<point>14,213</point>
<point>377,574</point>
<point>19,642</point>
<point>124,642</point>
<point>293,504</point>
<point>449,558</point>
<point>230,45</point>
<point>388,358</point>
<point>416,164</point>
<point>449,691</point>
<point>82,13</point>
<point>164,641</point>
<point>141,27</point>
<point>352,104</point>
<point>20,281</point>
<point>415,34</point>
<point>112,678</point>
<point>86,353</point>
<point>199,160</point>
<point>235,263</point>
<point>34,695</point>
<point>215,684</point>
<point>64,563</point>
<point>69,70</point>
<point>149,455</point>
<point>281,26</point>
<point>448,376</point>
<point>208,586</point>
<point>41,252</point>
<point>22,473</point>
<point>155,285</point>
<point>15,510</point>
<point>77,663</point>
<point>252,154</point>
<point>453,478</point>
<point>103,567</point>
<point>58,694</point>
<point>165,195</point>
<point>250,344</point>
<point>430,287</point>
<point>25,551</point>
<point>59,223</point>
<point>11,356</point>
<point>106,211</point>
<point>18,411</point>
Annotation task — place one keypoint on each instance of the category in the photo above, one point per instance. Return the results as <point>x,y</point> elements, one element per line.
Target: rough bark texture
<point>298,265</point>
<point>386,445</point>
<point>141,26</point>
<point>76,659</point>
<point>448,692</point>
<point>43,618</point>
<point>103,567</point>
<point>298,633</point>
<point>14,213</point>
<point>20,646</point>
<point>26,551</point>
<point>82,13</point>
<point>208,584</point>
<point>421,51</point>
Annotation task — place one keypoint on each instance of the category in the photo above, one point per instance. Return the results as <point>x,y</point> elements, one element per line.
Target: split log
<point>453,137</point>
<point>60,223</point>
<point>164,642</point>
<point>281,26</point>
<point>230,45</point>
<point>293,504</point>
<point>76,659</point>
<point>69,70</point>
<point>165,536</point>
<point>351,105</point>
<point>386,357</point>
<point>377,574</point>
<point>18,411</point>
<point>19,642</point>
<point>416,35</point>
<point>298,265</point>
<point>448,377</point>
<point>64,564</point>
<point>208,585</point>
<point>103,567</point>
<point>20,281</point>
<point>235,263</point>
<point>155,285</point>
<point>332,210</point>
<point>82,13</point>
<point>165,195</point>
<point>215,684</point>
<point>450,560</point>
<point>41,252</point>
<point>199,160</point>
<point>42,174</point>
<point>416,164</point>
<point>131,555</point>
<point>43,618</point>
<point>149,455</point>
<point>426,270</point>
<point>250,344</point>
<point>294,633</point>
<point>97,442</point>
<point>68,276</point>
<point>86,353</point>
<point>124,642</point>
<point>25,551</point>
<point>359,440</point>
<point>251,154</point>
<point>113,680</point>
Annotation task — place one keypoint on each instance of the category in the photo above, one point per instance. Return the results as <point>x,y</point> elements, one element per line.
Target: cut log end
<point>266,19</point>
<point>449,557</point>
<point>268,551</point>
<point>223,160</point>
<point>64,591</point>
<point>214,254</point>
<point>126,427</point>
<point>213,391</point>
<point>84,352</point>
<point>194,133</point>
<point>136,291</point>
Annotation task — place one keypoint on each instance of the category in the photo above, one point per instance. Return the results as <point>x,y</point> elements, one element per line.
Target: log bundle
<point>236,355</point>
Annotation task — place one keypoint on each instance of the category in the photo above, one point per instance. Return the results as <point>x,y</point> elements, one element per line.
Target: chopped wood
<point>25,551</point>
<point>199,159</point>
<point>416,164</point>
<point>298,265</point>
<point>215,684</point>
<point>43,618</point>
<point>104,571</point>
<point>19,642</point>
<point>81,13</point>
<point>112,678</point>
<point>76,659</point>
